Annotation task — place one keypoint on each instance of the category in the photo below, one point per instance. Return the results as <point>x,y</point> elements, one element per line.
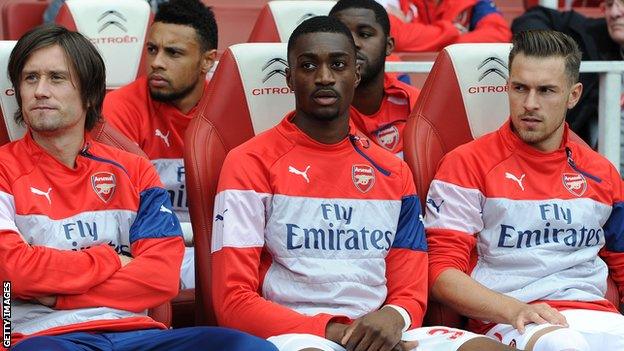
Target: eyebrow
<point>50,71</point>
<point>549,86</point>
<point>335,54</point>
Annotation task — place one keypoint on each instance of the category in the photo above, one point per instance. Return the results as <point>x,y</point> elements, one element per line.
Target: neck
<point>64,148</point>
<point>186,103</point>
<point>368,97</point>
<point>326,132</point>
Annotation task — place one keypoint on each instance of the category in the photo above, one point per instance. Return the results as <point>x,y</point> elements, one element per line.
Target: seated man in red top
<point>430,25</point>
<point>88,238</point>
<point>155,110</point>
<point>381,102</point>
<point>319,240</point>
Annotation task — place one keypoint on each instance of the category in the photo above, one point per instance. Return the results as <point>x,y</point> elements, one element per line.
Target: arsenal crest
<point>388,137</point>
<point>575,183</point>
<point>104,184</point>
<point>363,177</point>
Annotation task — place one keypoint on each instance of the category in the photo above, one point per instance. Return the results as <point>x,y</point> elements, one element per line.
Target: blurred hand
<point>124,260</point>
<point>396,12</point>
<point>481,9</point>
<point>49,301</point>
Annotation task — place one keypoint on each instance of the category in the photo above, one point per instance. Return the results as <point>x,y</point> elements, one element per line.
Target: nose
<point>356,39</point>
<point>530,101</point>
<point>157,60</point>
<point>42,89</point>
<point>325,75</point>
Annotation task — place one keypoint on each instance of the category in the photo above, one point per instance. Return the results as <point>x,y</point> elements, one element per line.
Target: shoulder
<point>134,94</point>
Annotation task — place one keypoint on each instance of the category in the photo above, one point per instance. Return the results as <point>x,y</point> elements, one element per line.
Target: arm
<point>157,247</point>
<point>450,225</point>
<point>419,37</point>
<point>237,245</point>
<point>40,271</point>
<point>613,252</point>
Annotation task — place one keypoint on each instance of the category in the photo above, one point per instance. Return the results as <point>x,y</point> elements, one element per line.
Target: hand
<point>49,301</point>
<point>124,260</point>
<point>539,313</point>
<point>379,330</point>
<point>335,331</point>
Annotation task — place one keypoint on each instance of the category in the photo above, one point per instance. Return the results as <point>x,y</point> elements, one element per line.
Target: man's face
<point>370,41</point>
<point>50,93</point>
<point>323,74</point>
<point>175,61</point>
<point>540,94</point>
<point>614,15</point>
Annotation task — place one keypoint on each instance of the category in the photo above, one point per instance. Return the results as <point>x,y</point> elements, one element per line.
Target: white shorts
<point>602,330</point>
<point>429,339</point>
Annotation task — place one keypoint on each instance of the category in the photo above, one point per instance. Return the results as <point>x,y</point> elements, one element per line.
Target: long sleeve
<point>490,29</point>
<point>613,252</point>
<point>406,263</point>
<point>237,245</point>
<point>41,271</point>
<point>419,37</point>
<point>453,217</point>
<point>157,247</point>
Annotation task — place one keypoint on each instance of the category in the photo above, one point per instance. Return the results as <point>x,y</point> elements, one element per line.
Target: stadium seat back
<point>464,97</point>
<point>19,16</point>
<point>9,130</point>
<point>118,29</point>
<point>247,95</point>
<point>278,19</point>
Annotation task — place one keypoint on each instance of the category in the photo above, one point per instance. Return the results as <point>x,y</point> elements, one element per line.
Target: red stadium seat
<point>464,97</point>
<point>278,19</point>
<point>103,133</point>
<point>19,16</point>
<point>247,95</point>
<point>118,29</point>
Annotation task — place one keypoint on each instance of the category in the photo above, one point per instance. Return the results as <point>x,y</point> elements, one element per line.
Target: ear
<point>575,95</point>
<point>288,78</point>
<point>389,45</point>
<point>208,60</point>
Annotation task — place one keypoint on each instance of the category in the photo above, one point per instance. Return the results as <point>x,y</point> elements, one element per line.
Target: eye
<point>519,88</point>
<point>55,77</point>
<point>339,65</point>
<point>151,49</point>
<point>308,66</point>
<point>365,35</point>
<point>30,77</point>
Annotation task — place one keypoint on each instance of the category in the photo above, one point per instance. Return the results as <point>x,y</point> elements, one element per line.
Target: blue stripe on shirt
<point>410,231</point>
<point>155,218</point>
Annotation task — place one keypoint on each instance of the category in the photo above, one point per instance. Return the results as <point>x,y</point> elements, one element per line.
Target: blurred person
<point>430,25</point>
<point>381,102</point>
<point>88,237</point>
<point>155,110</point>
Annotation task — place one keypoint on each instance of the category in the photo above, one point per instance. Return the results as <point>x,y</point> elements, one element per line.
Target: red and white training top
<point>385,127</point>
<point>61,230</point>
<point>543,224</point>
<point>305,232</point>
<point>158,128</point>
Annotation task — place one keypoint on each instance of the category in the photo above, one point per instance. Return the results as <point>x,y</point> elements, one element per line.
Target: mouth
<point>531,121</point>
<point>359,59</point>
<point>42,108</point>
<point>325,97</point>
<point>158,81</point>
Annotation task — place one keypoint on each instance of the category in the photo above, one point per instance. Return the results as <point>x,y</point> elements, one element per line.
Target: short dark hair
<point>79,51</point>
<point>548,43</point>
<point>191,13</point>
<point>320,24</point>
<point>381,16</point>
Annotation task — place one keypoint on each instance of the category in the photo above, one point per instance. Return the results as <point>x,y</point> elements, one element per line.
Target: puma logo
<point>515,179</point>
<point>436,206</point>
<point>220,216</point>
<point>42,193</point>
<point>164,137</point>
<point>304,174</point>
<point>165,210</point>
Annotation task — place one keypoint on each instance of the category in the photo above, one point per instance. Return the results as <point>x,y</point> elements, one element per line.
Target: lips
<point>158,81</point>
<point>325,97</point>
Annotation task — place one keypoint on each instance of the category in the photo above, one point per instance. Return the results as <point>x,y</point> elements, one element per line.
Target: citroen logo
<point>112,18</point>
<point>273,67</point>
<point>493,65</point>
